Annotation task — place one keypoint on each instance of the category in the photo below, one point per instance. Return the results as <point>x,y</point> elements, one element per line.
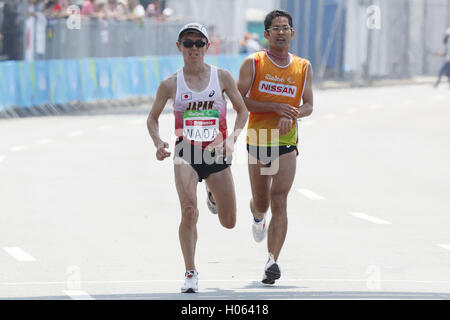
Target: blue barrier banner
<point>103,67</point>
<point>57,81</point>
<point>231,63</point>
<point>88,77</point>
<point>136,74</point>
<point>41,89</point>
<point>9,84</point>
<point>151,75</point>
<point>168,66</point>
<point>73,82</point>
<point>26,83</point>
<point>120,78</point>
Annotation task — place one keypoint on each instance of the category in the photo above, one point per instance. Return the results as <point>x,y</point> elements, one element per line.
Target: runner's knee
<point>278,201</point>
<point>189,215</point>
<point>227,219</point>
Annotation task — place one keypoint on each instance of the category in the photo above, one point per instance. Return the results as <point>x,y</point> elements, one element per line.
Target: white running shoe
<point>190,282</point>
<point>211,204</point>
<point>259,229</point>
<point>272,271</point>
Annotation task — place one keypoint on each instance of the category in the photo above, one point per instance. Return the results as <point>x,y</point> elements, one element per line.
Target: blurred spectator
<point>445,69</point>
<point>137,11</point>
<point>250,44</point>
<point>87,9</point>
<point>154,9</point>
<point>12,29</point>
<point>41,30</point>
<point>122,9</point>
<point>99,9</point>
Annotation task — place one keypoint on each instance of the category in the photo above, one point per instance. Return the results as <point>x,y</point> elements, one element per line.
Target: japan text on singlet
<point>273,83</point>
<point>200,117</point>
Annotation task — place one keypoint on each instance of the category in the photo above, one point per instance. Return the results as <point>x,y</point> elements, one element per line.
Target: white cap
<point>193,26</point>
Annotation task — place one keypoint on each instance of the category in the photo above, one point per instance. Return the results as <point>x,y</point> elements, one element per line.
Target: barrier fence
<point>25,84</point>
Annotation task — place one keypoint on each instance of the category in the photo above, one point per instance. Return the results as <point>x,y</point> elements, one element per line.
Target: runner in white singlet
<point>203,149</point>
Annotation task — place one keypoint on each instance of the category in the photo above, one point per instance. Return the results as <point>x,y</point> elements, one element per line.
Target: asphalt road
<point>87,212</point>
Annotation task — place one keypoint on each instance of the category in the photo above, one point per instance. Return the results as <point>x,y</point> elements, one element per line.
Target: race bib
<point>201,126</point>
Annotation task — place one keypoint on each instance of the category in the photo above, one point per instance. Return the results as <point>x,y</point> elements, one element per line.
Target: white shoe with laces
<point>190,282</point>
<point>259,229</point>
<point>211,204</point>
<point>272,271</point>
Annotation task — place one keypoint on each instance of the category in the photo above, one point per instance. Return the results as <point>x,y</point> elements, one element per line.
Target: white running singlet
<point>200,117</point>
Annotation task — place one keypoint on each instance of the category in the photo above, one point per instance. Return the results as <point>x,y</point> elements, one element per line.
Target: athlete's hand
<point>286,110</point>
<point>285,125</point>
<point>161,152</point>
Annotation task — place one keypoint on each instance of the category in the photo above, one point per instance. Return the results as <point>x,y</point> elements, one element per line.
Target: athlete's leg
<point>186,180</point>
<point>221,186</point>
<point>260,184</point>
<point>281,184</point>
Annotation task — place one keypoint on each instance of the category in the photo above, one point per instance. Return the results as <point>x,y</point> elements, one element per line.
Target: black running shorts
<point>268,154</point>
<point>204,162</point>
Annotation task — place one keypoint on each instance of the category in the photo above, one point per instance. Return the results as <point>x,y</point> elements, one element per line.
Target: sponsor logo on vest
<point>277,89</point>
<point>274,78</point>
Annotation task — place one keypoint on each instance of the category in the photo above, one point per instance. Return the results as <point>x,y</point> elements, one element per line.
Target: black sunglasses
<point>189,43</point>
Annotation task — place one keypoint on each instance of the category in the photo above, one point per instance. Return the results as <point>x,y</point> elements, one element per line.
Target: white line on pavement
<point>104,128</point>
<point>74,134</point>
<point>2,158</point>
<point>445,246</point>
<point>375,106</point>
<point>310,194</point>
<point>19,254</point>
<point>366,217</point>
<point>78,295</point>
<point>16,148</point>
<point>44,141</point>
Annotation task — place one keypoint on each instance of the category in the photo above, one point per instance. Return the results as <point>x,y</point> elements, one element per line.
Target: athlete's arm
<point>229,87</point>
<point>244,84</point>
<point>306,108</point>
<point>285,123</point>
<point>163,94</point>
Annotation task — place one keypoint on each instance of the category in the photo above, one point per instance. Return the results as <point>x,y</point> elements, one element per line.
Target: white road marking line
<point>361,215</point>
<point>78,295</point>
<point>74,134</point>
<point>104,128</point>
<point>445,246</point>
<point>2,158</point>
<point>408,102</point>
<point>310,194</point>
<point>19,254</point>
<point>375,106</point>
<point>44,141</point>
<point>331,116</point>
<point>16,148</point>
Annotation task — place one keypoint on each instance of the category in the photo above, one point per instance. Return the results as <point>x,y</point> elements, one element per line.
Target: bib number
<point>201,126</point>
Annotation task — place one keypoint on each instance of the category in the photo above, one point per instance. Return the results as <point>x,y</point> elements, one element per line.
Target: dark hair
<point>274,14</point>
